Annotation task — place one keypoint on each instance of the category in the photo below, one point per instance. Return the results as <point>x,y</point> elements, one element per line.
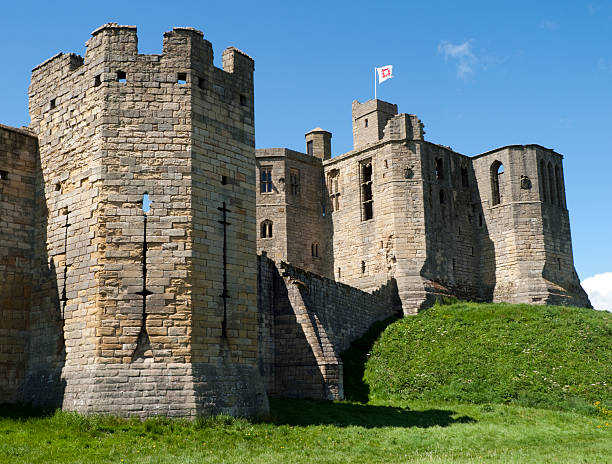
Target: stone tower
<point>408,213</point>
<point>146,309</point>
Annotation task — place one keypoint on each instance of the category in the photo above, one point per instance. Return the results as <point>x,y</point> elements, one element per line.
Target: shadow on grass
<point>21,411</point>
<point>354,360</point>
<point>310,412</point>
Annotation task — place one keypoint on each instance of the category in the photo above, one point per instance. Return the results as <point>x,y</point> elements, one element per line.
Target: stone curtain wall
<point>18,154</point>
<point>305,322</point>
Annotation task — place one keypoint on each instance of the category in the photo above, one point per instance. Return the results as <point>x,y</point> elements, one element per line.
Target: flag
<point>384,73</point>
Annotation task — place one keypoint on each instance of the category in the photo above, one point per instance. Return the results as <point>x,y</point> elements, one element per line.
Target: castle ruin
<point>134,207</point>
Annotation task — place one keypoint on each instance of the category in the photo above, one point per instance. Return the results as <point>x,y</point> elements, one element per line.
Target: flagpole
<point>374,82</point>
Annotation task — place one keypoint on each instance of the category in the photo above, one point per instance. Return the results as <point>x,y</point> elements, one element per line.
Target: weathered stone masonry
<point>133,209</point>
<point>116,128</point>
<point>493,227</point>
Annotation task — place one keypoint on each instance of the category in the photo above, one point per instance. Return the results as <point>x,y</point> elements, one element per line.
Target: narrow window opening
<point>309,148</point>
<point>3,175</point>
<point>146,203</point>
<point>266,229</point>
<point>121,76</point>
<point>52,103</point>
<point>366,122</point>
<point>464,177</point>
<point>442,198</point>
<point>363,267</point>
<point>543,181</point>
<point>339,273</point>
<point>97,80</point>
<point>454,263</point>
<point>334,189</point>
<point>366,191</point>
<point>223,180</point>
<point>480,220</point>
<point>201,83</point>
<point>439,169</point>
<point>472,251</point>
<point>559,263</point>
<point>243,100</point>
<point>265,180</point>
<point>552,191</point>
<point>314,250</point>
<point>182,78</point>
<point>560,196</point>
<point>294,181</point>
<point>497,171</point>
<point>459,230</point>
<point>323,210</point>
<point>58,187</point>
<point>386,164</point>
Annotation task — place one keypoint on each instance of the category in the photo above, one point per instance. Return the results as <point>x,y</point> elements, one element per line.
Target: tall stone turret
<point>156,303</point>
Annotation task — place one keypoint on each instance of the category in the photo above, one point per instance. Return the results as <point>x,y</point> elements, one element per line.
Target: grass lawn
<point>308,431</point>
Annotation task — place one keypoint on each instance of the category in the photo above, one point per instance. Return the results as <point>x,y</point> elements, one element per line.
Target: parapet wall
<point>305,322</point>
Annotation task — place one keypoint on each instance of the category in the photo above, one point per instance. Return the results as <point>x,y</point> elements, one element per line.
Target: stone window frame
<point>265,180</point>
<point>465,177</point>
<point>333,187</point>
<point>266,229</point>
<point>439,168</point>
<point>496,193</point>
<point>310,148</point>
<point>314,249</point>
<point>552,188</point>
<point>559,184</point>
<point>294,181</point>
<point>543,181</point>
<point>366,174</point>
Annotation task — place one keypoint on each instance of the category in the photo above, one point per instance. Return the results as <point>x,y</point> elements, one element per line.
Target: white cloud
<point>462,54</point>
<point>599,289</point>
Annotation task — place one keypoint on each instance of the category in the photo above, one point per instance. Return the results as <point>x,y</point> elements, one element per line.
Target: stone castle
<point>154,262</point>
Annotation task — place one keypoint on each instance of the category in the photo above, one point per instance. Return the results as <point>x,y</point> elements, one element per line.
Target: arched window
<point>552,190</point>
<point>439,169</point>
<point>543,182</point>
<point>314,250</point>
<point>266,229</point>
<point>497,171</point>
<point>560,195</point>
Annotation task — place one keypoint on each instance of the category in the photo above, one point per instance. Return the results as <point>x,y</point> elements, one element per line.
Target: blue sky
<point>479,75</point>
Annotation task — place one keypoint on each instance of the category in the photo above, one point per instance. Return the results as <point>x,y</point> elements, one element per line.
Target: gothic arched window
<point>266,229</point>
<point>497,171</point>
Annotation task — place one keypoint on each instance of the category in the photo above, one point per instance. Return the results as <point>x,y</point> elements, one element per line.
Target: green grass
<point>470,407</point>
<point>543,356</point>
<point>308,431</point>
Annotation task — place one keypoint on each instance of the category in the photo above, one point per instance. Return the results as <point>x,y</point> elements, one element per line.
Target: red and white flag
<point>384,73</point>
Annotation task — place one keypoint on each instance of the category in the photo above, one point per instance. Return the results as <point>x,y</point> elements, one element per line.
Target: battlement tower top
<point>369,121</point>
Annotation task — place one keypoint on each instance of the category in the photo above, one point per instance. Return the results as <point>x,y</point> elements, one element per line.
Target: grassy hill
<point>544,356</point>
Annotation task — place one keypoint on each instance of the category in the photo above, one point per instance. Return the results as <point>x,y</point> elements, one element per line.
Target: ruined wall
<point>113,127</point>
<point>18,154</point>
<point>451,219</point>
<point>530,260</point>
<point>306,321</point>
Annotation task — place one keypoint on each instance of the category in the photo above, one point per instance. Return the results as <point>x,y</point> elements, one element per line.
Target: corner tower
<point>157,302</point>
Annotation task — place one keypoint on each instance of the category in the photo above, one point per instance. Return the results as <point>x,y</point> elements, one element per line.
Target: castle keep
<point>153,262</point>
<point>397,208</point>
